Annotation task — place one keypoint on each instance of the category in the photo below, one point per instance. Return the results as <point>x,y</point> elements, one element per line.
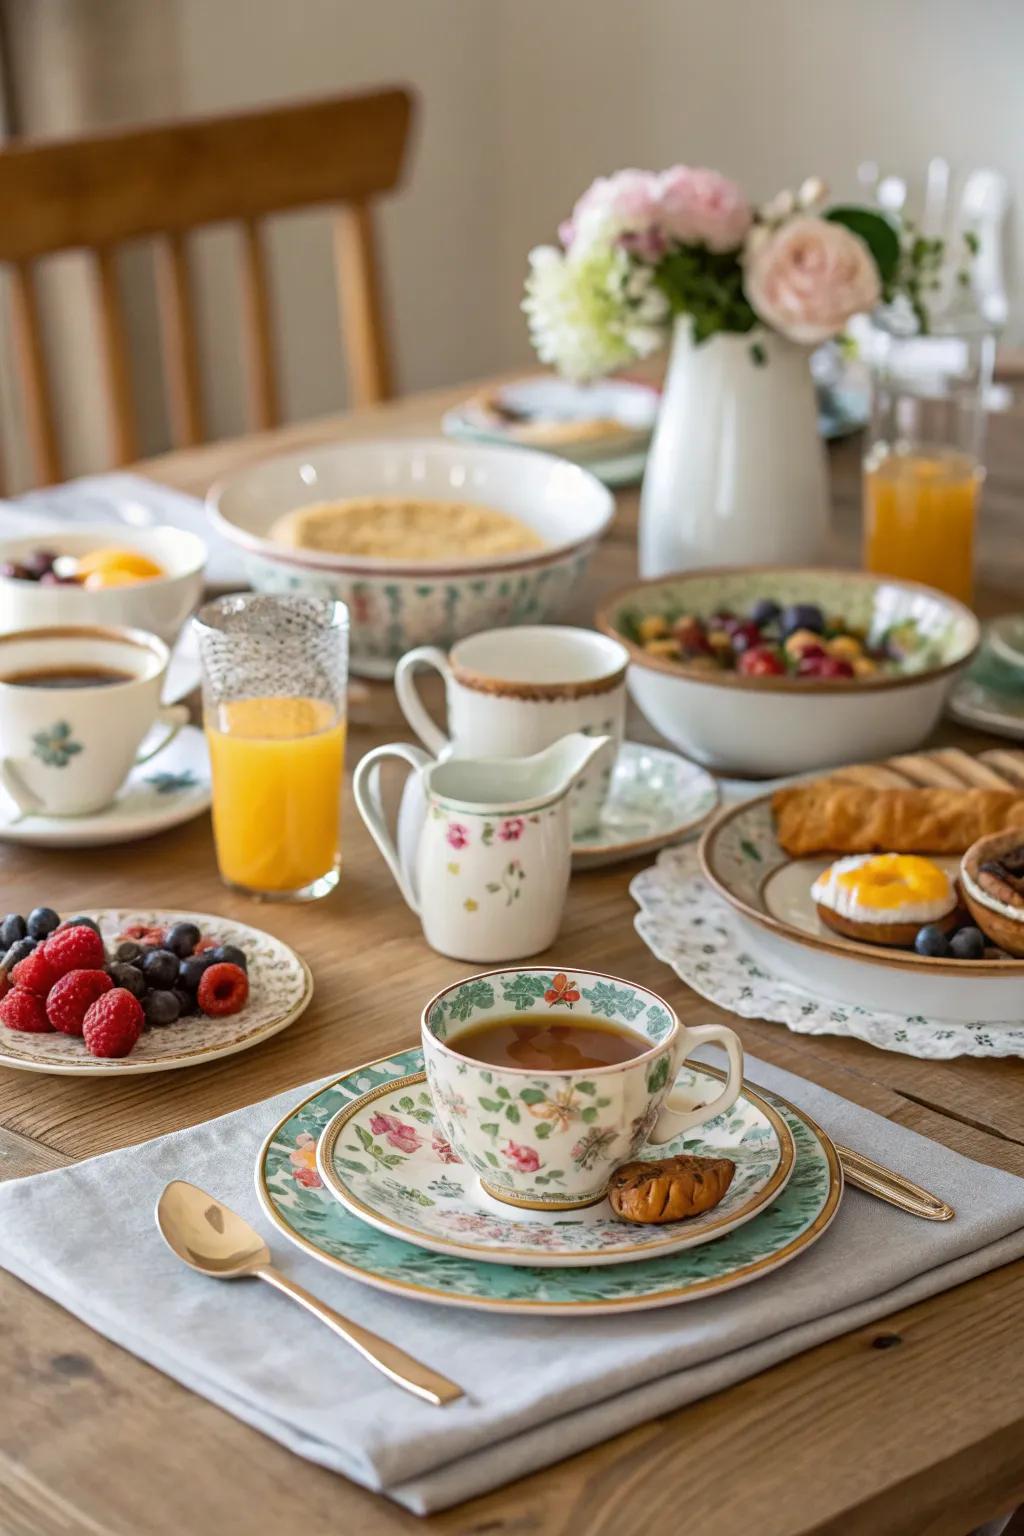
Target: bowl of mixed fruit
<point>141,578</point>
<point>772,670</point>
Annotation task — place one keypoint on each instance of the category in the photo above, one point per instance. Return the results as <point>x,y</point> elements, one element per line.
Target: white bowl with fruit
<point>109,575</point>
<point>771,670</point>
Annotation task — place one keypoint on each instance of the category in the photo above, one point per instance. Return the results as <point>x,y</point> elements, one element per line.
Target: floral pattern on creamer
<point>454,1215</point>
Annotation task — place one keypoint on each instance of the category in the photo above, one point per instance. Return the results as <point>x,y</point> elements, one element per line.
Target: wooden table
<point>913,1426</point>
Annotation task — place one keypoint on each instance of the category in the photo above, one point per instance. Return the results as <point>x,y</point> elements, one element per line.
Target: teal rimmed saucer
<point>297,1202</point>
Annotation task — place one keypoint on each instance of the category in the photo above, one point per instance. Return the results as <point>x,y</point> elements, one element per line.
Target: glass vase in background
<point>923,469</point>
<point>275,671</point>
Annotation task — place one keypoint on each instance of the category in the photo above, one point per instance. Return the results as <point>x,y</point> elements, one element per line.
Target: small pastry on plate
<point>669,1188</point>
<point>884,898</point>
<point>992,877</point>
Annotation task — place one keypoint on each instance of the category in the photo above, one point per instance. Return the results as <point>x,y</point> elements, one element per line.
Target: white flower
<point>592,310</point>
<point>812,194</point>
<point>777,208</point>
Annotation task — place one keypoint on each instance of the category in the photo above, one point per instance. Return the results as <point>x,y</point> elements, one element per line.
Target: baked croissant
<point>828,817</point>
<point>670,1188</point>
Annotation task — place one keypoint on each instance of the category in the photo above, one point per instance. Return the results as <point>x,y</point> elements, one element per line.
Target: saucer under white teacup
<point>154,798</point>
<point>386,1160</point>
<point>656,797</point>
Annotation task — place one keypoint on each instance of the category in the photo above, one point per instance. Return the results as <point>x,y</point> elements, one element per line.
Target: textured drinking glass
<point>923,467</point>
<point>274,676</point>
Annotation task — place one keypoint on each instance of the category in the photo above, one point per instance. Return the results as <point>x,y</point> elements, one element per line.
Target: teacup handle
<point>366,788</point>
<point>671,1121</point>
<point>174,717</point>
<point>431,735</point>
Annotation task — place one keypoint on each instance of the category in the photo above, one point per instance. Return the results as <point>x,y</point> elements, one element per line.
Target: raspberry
<point>112,1023</point>
<point>35,972</point>
<point>74,949</point>
<point>24,1010</point>
<point>72,995</point>
<point>207,941</point>
<point>143,935</point>
<point>223,989</point>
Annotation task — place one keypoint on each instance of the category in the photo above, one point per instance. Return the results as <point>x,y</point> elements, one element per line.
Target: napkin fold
<point>538,1388</point>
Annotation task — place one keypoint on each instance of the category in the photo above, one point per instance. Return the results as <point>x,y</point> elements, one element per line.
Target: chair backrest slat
<point>161,182</point>
<point>261,369</point>
<point>30,363</point>
<point>178,328</point>
<point>361,304</point>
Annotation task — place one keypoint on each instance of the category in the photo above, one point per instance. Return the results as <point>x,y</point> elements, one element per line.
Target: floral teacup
<point>550,1140</point>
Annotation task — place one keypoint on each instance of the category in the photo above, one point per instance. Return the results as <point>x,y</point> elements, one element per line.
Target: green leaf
<point>586,1088</point>
<point>491,1104</point>
<point>491,1157</point>
<point>491,1128</point>
<point>589,1115</point>
<point>512,1113</point>
<point>365,1137</point>
<point>503,1093</point>
<point>750,850</point>
<point>405,1103</point>
<point>542,1131</point>
<point>532,1095</point>
<point>878,233</point>
<point>352,1166</point>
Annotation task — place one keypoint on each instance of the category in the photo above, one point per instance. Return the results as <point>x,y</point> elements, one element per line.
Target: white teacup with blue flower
<point>75,705</point>
<point>545,1081</point>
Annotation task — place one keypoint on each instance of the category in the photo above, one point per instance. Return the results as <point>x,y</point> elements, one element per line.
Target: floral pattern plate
<point>387,1160</point>
<point>691,929</point>
<point>656,797</point>
<point>280,988</point>
<point>158,795</point>
<point>296,1201</point>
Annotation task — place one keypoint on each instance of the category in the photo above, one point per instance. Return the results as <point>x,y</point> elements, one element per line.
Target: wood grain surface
<point>912,1426</point>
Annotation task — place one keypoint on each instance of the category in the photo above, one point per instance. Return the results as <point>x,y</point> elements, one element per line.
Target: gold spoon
<point>217,1241</point>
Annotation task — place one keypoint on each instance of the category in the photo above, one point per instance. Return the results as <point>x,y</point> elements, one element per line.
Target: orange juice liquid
<point>276,766</point>
<point>919,514</point>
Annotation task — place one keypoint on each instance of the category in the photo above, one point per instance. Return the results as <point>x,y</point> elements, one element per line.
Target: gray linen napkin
<point>539,1388</point>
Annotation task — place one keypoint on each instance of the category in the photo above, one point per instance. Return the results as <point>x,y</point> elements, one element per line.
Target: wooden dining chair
<point>162,182</point>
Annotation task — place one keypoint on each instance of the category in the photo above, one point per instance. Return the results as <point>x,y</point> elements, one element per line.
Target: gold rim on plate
<point>740,1276</point>
<point>847,949</point>
<point>671,1244</point>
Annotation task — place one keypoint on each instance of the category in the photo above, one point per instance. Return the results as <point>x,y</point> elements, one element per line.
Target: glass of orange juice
<point>275,671</point>
<point>922,471</point>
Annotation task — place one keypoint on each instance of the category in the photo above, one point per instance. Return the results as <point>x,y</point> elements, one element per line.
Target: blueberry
<point>18,952</point>
<point>190,971</point>
<point>84,922</point>
<point>802,616</point>
<point>229,954</point>
<point>160,968</point>
<point>12,929</point>
<point>39,562</point>
<point>931,941</point>
<point>968,944</point>
<point>187,1004</point>
<point>128,951</point>
<point>128,976</point>
<point>160,1007</point>
<point>42,922</point>
<point>764,611</point>
<point>183,939</point>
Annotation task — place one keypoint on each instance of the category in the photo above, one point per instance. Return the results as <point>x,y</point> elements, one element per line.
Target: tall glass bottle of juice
<point>274,678</point>
<point>922,471</point>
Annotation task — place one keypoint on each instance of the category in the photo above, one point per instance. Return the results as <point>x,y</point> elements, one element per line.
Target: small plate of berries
<point>127,992</point>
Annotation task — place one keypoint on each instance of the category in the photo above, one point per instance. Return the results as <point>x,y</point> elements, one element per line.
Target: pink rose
<point>809,277</point>
<point>405,1137</point>
<point>512,830</point>
<point>443,1149</point>
<point>699,207</point>
<point>457,835</point>
<point>525,1159</point>
<point>622,208</point>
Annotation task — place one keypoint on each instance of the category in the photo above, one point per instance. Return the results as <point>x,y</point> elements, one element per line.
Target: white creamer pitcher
<point>490,868</point>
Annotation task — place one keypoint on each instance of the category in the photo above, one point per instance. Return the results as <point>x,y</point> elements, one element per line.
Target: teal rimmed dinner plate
<point>296,1201</point>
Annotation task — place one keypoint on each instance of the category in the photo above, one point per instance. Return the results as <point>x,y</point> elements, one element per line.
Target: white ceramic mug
<point>66,750</point>
<point>512,692</point>
<point>550,1139</point>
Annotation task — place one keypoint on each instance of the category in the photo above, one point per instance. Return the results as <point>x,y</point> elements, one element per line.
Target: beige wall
<point>522,102</point>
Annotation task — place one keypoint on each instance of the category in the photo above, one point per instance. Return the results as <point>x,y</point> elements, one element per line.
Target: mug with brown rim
<point>75,705</point>
<point>513,692</point>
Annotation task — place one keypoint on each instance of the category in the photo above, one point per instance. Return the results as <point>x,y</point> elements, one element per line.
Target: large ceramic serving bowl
<point>160,605</point>
<point>395,606</point>
<point>776,725</point>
